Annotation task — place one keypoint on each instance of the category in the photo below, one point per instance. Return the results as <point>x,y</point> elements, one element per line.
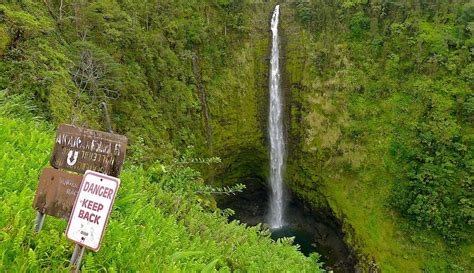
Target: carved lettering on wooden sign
<point>79,149</point>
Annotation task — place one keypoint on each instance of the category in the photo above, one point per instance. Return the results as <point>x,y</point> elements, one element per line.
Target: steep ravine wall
<point>341,141</point>
<point>238,100</point>
<point>304,171</point>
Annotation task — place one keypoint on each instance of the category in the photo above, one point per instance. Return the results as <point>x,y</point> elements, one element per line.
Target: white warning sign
<point>91,210</point>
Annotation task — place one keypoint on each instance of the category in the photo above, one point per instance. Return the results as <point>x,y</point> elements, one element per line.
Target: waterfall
<point>275,131</point>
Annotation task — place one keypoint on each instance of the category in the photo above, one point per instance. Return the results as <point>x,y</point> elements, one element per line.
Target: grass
<point>151,229</point>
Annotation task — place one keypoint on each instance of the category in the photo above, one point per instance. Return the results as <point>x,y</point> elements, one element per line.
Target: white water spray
<point>277,143</point>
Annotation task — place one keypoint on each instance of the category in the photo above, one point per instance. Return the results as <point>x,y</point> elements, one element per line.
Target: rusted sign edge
<point>56,192</point>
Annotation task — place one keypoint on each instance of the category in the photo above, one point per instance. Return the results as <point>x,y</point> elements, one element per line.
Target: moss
<point>148,65</point>
<point>238,109</point>
<point>4,39</point>
<point>340,133</point>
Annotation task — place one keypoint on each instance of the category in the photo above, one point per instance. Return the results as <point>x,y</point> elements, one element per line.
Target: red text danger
<point>98,190</point>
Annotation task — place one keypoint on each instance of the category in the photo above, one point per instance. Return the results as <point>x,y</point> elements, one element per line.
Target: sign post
<point>85,200</point>
<point>92,209</point>
<point>39,221</point>
<point>76,257</point>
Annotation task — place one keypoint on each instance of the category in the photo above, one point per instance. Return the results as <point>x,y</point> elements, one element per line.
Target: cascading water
<point>277,143</point>
<point>312,230</point>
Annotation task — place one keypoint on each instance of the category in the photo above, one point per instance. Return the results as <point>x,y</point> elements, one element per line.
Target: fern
<point>227,190</point>
<point>210,267</point>
<point>157,224</point>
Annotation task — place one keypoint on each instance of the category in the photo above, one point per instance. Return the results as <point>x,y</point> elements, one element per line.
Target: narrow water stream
<point>276,215</point>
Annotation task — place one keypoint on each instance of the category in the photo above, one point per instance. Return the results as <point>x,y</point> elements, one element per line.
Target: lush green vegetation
<point>379,105</point>
<point>170,71</point>
<point>163,219</point>
<point>381,113</point>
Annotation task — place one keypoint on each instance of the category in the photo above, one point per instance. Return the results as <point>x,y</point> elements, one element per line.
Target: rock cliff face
<point>305,172</point>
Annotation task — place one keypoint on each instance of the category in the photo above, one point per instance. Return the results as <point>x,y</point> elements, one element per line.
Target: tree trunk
<point>203,99</point>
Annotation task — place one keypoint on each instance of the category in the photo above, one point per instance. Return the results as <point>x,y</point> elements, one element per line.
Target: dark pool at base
<point>313,231</point>
<point>303,239</point>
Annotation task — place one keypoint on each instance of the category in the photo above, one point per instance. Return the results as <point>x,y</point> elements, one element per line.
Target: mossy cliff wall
<point>238,104</point>
<point>351,122</point>
<point>181,78</point>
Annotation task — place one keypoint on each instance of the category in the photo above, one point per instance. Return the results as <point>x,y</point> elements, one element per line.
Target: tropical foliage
<point>379,100</point>
<point>384,105</point>
<point>156,225</point>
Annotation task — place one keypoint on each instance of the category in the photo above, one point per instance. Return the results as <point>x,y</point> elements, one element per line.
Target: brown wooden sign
<point>79,149</point>
<point>56,193</point>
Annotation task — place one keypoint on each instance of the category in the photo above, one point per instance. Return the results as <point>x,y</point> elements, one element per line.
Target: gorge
<point>313,231</point>
<point>348,121</point>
